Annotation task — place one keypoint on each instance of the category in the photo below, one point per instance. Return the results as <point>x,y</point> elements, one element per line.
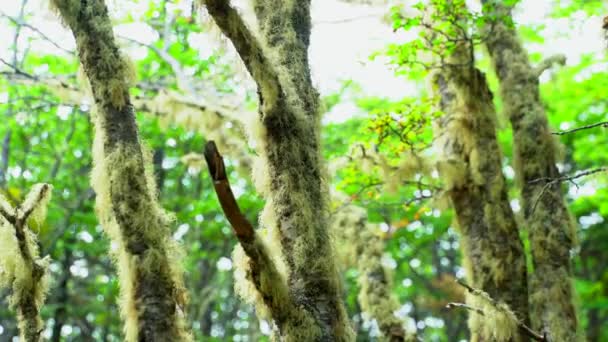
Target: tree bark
<point>290,173</point>
<point>551,229</point>
<point>152,290</point>
<point>470,165</point>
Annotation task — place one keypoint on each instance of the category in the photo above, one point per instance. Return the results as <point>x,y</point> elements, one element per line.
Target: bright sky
<point>343,37</point>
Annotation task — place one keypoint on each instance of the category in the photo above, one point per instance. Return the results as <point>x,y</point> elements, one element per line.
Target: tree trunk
<point>550,227</point>
<point>289,172</point>
<point>470,164</point>
<point>151,279</point>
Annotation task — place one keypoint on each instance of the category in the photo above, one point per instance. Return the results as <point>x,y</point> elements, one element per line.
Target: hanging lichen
<point>470,164</point>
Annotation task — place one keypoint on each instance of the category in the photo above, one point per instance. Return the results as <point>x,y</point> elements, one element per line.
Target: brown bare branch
<point>242,227</point>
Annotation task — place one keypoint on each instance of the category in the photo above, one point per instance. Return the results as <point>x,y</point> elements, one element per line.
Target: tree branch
<point>29,206</point>
<point>548,63</point>
<point>478,293</point>
<point>247,46</point>
<point>242,227</point>
<point>553,181</point>
<point>603,124</point>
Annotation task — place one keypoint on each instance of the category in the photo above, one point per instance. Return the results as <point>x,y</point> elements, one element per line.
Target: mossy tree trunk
<point>150,276</point>
<point>547,217</point>
<point>290,172</point>
<point>470,164</point>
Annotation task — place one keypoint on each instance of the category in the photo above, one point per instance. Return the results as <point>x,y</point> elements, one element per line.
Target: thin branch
<point>603,124</point>
<point>182,78</point>
<point>553,181</point>
<point>478,293</point>
<point>350,19</point>
<point>37,31</point>
<point>242,227</point>
<point>452,305</point>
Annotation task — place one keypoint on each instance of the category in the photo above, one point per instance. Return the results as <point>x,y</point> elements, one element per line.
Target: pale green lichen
<point>496,322</point>
<point>149,225</point>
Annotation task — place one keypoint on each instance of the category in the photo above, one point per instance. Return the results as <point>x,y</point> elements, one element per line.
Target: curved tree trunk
<point>547,217</point>
<point>151,279</point>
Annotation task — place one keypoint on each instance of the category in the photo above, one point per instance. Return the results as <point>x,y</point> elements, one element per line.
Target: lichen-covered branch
<point>551,230</point>
<point>365,248</point>
<point>288,170</point>
<point>549,62</point>
<point>21,268</point>
<point>471,168</point>
<point>152,289</point>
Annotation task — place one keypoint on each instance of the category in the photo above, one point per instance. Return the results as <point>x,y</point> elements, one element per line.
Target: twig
<point>242,227</point>
<point>603,124</point>
<point>452,305</point>
<point>553,181</point>
<point>520,325</point>
<point>37,30</point>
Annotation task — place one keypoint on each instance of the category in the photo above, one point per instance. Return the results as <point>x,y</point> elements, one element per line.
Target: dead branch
<point>242,227</point>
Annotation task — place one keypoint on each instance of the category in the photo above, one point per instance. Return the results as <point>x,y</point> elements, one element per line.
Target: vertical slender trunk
<point>152,289</point>
<point>547,217</point>
<point>471,165</point>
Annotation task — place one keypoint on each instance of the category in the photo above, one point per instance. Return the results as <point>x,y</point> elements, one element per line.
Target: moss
<point>288,170</point>
<point>497,323</point>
